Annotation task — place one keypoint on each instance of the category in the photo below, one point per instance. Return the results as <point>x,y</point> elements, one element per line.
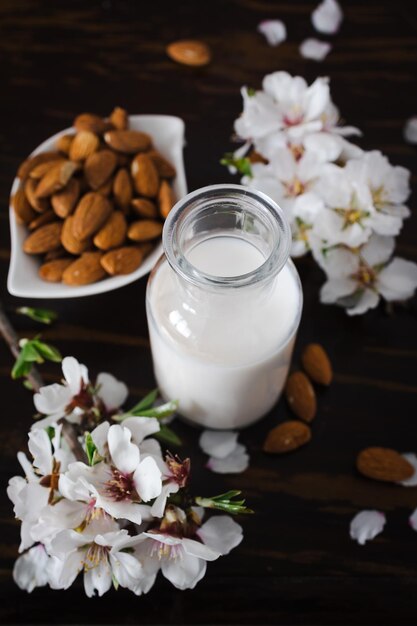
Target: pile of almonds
<point>95,206</point>
<point>302,400</point>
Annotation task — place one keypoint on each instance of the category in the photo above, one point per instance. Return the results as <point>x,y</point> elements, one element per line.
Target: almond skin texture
<point>91,213</point>
<point>122,189</point>
<point>90,122</point>
<point>301,396</point>
<point>128,141</point>
<point>144,230</point>
<point>122,260</point>
<point>40,205</point>
<point>85,270</point>
<point>99,167</point>
<point>83,144</point>
<point>113,233</point>
<point>145,176</point>
<point>164,167</point>
<point>165,199</point>
<point>189,52</point>
<point>55,179</point>
<point>64,143</point>
<point>42,219</point>
<point>119,119</point>
<point>27,166</point>
<point>24,213</point>
<point>52,270</point>
<point>144,207</point>
<point>317,364</point>
<point>64,201</point>
<point>41,169</point>
<point>106,188</point>
<point>44,239</point>
<point>69,242</point>
<point>383,464</point>
<point>286,437</point>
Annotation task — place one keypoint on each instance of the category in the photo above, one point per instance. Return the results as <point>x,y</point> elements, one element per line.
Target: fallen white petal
<point>235,463</point>
<point>315,49</point>
<point>410,130</point>
<point>366,525</point>
<point>274,31</point>
<point>413,520</point>
<point>327,17</point>
<point>412,459</point>
<point>218,443</point>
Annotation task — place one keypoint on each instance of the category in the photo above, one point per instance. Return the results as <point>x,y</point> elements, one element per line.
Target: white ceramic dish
<point>23,280</point>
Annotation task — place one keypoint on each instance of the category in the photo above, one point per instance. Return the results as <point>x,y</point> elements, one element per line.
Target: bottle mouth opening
<point>232,211</point>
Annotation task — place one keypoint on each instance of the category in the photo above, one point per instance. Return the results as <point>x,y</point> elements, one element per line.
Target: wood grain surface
<point>297,564</point>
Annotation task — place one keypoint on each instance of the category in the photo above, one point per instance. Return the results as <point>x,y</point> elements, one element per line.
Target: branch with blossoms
<point>344,205</point>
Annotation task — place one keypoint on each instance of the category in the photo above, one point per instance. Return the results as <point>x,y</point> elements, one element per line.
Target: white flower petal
<point>378,250</point>
<point>274,31</point>
<point>125,454</point>
<point>147,479</point>
<point>74,373</point>
<point>218,443</point>
<point>235,463</point>
<point>52,399</point>
<point>413,520</point>
<point>327,17</point>
<point>126,569</point>
<point>366,525</point>
<point>184,572</point>
<point>65,542</point>
<point>124,509</point>
<point>336,288</point>
<point>40,448</point>
<point>200,550</point>
<point>412,459</point>
<point>99,436</point>
<point>325,146</point>
<point>315,49</point>
<point>159,505</point>
<point>221,533</point>
<point>410,130</point>
<point>98,578</point>
<point>27,467</point>
<point>368,300</point>
<point>30,569</point>
<point>398,280</point>
<point>141,427</point>
<point>111,391</point>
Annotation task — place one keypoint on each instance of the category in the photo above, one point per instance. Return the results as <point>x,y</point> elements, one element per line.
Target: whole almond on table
<point>165,199</point>
<point>52,271</point>
<point>122,260</point>
<point>317,364</point>
<point>99,167</point>
<point>128,141</point>
<point>163,166</point>
<point>64,201</point>
<point>69,242</point>
<point>27,166</point>
<point>144,230</point>
<point>189,52</point>
<point>122,189</point>
<point>85,270</point>
<point>144,207</point>
<point>113,233</point>
<point>43,239</point>
<point>23,211</point>
<point>64,143</point>
<point>91,213</point>
<point>145,176</point>
<point>301,396</point>
<point>91,122</point>
<point>42,219</point>
<point>40,205</point>
<point>286,437</point>
<point>55,178</point>
<point>84,143</point>
<point>119,118</point>
<point>384,464</point>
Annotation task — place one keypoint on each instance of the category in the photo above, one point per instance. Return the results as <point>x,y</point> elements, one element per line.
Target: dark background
<point>297,564</point>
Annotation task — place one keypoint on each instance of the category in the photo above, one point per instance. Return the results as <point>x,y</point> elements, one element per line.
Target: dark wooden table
<point>297,564</point>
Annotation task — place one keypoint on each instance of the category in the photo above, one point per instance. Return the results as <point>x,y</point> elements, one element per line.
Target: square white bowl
<point>24,281</point>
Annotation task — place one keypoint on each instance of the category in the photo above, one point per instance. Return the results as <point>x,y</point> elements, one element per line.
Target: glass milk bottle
<point>223,306</point>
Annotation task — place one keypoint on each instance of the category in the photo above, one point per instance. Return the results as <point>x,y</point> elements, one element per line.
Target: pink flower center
<point>121,486</point>
<point>94,555</point>
<point>293,120</point>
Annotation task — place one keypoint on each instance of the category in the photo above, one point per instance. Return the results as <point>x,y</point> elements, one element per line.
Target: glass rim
<point>181,215</point>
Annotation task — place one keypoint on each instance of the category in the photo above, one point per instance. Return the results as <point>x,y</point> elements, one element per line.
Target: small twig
<point>35,379</point>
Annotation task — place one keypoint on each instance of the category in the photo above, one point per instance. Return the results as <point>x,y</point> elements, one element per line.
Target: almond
<point>91,122</point>
<point>286,437</point>
<point>43,157</point>
<point>91,213</point>
<point>119,119</point>
<point>84,143</point>
<point>55,179</point>
<point>384,464</point>
<point>145,176</point>
<point>41,169</point>
<point>24,213</point>
<point>42,219</point>
<point>128,141</point>
<point>189,52</point>
<point>301,396</point>
<point>64,201</point>
<point>106,188</point>
<point>69,242</point>
<point>99,167</point>
<point>113,233</point>
<point>122,260</point>
<point>64,143</point>
<point>165,199</point>
<point>144,230</point>
<point>43,239</point>
<point>39,204</point>
<point>164,167</point>
<point>58,253</point>
<point>52,270</point>
<point>317,364</point>
<point>122,189</point>
<point>144,207</point>
<point>85,270</point>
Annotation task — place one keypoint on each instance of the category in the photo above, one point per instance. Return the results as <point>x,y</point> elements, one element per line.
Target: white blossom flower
<point>412,459</point>
<point>413,520</point>
<point>327,17</point>
<point>234,463</point>
<point>366,525</point>
<point>175,474</point>
<point>31,569</point>
<point>315,49</point>
<point>274,31</point>
<point>410,130</point>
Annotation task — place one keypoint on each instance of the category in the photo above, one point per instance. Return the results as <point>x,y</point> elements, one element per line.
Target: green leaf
<point>47,351</point>
<point>242,164</point>
<point>44,316</point>
<point>251,91</point>
<point>146,402</point>
<point>225,502</point>
<point>28,384</point>
<point>50,431</point>
<point>167,436</point>
<point>115,582</point>
<point>93,455</point>
<point>164,410</point>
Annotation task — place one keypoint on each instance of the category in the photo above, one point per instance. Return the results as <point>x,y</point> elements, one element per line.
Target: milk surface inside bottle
<point>224,306</point>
